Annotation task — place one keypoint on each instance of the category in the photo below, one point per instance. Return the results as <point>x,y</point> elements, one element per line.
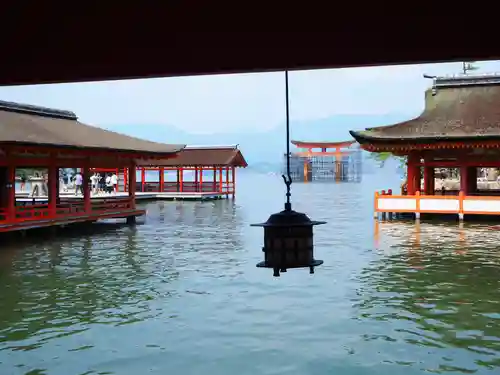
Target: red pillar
<point>472,180</point>
<point>429,180</point>
<point>161,188</point>
<point>214,185</point>
<point>413,174</point>
<point>11,193</point>
<point>53,187</point>
<point>181,179</point>
<point>195,179</point>
<point>132,184</point>
<point>220,179</point>
<point>201,179</point>
<point>125,179</point>
<point>87,203</point>
<point>143,178</point>
<point>233,175</point>
<point>227,181</point>
<point>464,179</point>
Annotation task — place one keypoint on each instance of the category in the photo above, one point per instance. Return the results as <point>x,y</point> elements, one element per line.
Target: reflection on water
<point>180,293</point>
<point>438,287</point>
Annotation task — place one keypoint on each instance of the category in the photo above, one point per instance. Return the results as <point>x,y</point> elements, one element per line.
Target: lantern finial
<point>288,182</point>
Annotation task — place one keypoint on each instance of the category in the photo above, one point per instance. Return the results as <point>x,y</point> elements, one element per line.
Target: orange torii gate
<point>309,151</point>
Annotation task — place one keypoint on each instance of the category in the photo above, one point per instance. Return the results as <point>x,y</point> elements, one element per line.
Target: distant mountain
<point>268,146</point>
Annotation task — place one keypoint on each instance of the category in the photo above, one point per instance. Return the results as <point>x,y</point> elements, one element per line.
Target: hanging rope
<point>287,179</point>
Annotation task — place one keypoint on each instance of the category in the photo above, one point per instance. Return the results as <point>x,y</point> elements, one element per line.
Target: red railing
<point>32,212</point>
<point>66,208</point>
<point>3,214</point>
<point>186,187</point>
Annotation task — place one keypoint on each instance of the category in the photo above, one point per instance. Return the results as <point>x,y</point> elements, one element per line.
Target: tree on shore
<point>382,157</point>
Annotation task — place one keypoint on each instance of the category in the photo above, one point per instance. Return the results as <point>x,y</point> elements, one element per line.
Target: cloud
<point>229,103</point>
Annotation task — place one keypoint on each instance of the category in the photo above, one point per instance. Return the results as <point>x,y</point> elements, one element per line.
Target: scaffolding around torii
<point>326,161</point>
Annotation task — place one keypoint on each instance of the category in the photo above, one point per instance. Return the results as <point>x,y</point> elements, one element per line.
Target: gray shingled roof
<point>27,124</point>
<point>203,157</point>
<point>465,108</point>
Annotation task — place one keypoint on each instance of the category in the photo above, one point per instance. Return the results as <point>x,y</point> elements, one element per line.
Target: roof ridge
<point>461,80</point>
<point>30,109</point>
<point>212,147</point>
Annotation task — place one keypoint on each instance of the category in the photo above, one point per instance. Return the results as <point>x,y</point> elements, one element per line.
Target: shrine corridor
<point>180,293</point>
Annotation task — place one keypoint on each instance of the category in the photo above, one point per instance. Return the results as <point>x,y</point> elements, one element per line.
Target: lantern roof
<point>289,218</point>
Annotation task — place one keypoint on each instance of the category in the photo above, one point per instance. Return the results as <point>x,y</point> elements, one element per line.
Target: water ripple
<point>180,293</point>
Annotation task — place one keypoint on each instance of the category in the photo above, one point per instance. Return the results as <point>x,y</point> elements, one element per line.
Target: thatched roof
<point>305,144</point>
<point>463,108</point>
<point>34,125</point>
<point>203,156</point>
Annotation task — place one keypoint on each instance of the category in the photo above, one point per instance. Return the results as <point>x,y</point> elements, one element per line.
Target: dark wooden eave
<point>56,43</point>
<point>381,141</point>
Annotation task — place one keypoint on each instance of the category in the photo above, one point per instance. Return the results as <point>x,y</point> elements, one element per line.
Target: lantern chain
<point>287,179</point>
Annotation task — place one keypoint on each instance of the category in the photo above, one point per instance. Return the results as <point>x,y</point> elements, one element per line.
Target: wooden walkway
<point>460,205</point>
<point>139,196</point>
<point>63,221</point>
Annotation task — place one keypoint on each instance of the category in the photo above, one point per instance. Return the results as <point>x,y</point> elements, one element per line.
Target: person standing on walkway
<point>94,179</point>
<point>109,185</point>
<point>23,182</point>
<point>114,182</point>
<point>78,183</point>
<point>45,184</point>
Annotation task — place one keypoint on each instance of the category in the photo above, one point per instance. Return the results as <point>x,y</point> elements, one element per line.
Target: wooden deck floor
<point>61,221</point>
<point>25,197</point>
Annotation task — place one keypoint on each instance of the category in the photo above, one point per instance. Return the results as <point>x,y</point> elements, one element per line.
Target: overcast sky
<point>222,103</point>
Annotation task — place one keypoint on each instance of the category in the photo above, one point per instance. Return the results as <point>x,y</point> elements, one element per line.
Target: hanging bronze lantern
<point>288,235</point>
<point>288,242</point>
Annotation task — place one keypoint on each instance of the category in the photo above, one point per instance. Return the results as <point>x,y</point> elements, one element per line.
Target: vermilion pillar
<point>87,203</point>
<point>413,174</point>
<point>214,185</point>
<point>11,192</point>
<point>162,180</point>
<point>201,180</point>
<point>53,187</point>
<point>233,175</point>
<point>429,180</point>
<point>132,184</point>
<point>125,179</point>
<point>220,179</point>
<point>472,180</point>
<point>143,178</point>
<point>464,179</point>
<point>227,181</point>
<point>468,179</point>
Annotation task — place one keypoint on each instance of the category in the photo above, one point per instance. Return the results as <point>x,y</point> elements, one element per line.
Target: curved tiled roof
<point>33,125</point>
<point>203,156</point>
<point>458,108</point>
